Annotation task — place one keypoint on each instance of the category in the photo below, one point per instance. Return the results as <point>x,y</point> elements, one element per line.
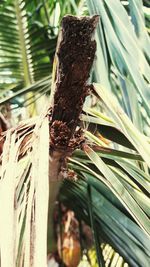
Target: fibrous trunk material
<point>75,55</point>
<point>74,58</point>
<point>73,61</point>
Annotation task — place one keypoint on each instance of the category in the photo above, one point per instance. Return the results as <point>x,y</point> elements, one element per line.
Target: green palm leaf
<point>122,64</point>
<point>27,59</point>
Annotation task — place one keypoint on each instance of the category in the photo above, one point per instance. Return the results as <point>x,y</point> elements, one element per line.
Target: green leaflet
<point>120,191</point>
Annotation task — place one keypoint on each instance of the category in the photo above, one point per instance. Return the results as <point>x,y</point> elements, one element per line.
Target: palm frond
<point>27,58</point>
<point>112,225</point>
<point>122,49</point>
<point>26,197</point>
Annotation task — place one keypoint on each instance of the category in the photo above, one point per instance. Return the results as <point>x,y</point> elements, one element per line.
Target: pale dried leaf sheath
<point>41,197</point>
<point>7,192</point>
<point>27,232</point>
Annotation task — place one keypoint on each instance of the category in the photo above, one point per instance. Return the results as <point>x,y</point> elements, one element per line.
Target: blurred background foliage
<point>113,187</point>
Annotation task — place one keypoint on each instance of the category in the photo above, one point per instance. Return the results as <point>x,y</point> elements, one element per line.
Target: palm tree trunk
<point>74,58</point>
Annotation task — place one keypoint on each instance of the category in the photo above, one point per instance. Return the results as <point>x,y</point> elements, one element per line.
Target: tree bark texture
<point>74,58</point>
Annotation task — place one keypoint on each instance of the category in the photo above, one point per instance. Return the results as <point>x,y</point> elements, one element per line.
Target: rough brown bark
<point>74,56</point>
